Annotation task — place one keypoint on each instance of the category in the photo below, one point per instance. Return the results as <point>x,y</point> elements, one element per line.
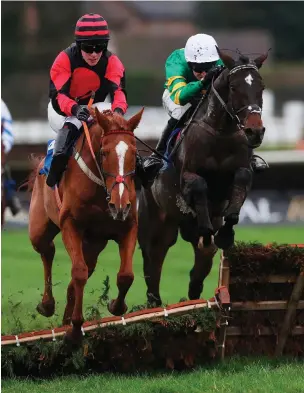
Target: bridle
<point>101,180</point>
<point>232,113</point>
<point>118,178</point>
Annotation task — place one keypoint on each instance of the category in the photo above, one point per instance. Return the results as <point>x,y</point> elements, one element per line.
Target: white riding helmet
<point>201,48</point>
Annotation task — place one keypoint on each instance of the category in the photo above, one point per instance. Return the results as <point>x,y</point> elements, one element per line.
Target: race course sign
<point>273,207</point>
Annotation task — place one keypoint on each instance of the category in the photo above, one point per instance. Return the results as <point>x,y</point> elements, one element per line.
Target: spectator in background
<point>7,139</point>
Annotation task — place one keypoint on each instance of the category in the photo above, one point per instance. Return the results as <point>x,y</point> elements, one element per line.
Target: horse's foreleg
<point>202,265</point>
<point>91,252</point>
<point>160,240</point>
<point>72,239</point>
<point>125,276</point>
<point>241,185</point>
<point>42,232</point>
<point>155,235</point>
<point>195,189</point>
<point>47,305</point>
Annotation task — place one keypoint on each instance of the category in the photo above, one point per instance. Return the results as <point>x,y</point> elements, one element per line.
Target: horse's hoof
<point>73,338</point>
<point>153,300</point>
<point>46,309</point>
<point>224,238</point>
<point>207,251</point>
<point>205,242</point>
<point>116,308</point>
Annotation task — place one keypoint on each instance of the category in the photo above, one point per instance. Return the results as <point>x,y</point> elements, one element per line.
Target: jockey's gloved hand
<point>214,72</point>
<point>81,112</point>
<point>119,111</point>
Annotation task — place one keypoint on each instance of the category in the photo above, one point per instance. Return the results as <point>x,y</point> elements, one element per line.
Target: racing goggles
<point>93,47</point>
<point>202,67</point>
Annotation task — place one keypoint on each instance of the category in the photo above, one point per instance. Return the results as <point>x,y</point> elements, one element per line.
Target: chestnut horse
<point>94,203</point>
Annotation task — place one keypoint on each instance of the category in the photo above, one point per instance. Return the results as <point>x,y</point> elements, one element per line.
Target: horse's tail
<point>34,164</point>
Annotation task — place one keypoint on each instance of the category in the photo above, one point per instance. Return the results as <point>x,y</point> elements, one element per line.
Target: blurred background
<point>143,34</point>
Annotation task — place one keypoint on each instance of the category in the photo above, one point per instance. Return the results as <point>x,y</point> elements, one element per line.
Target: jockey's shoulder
<point>177,56</point>
<point>176,64</point>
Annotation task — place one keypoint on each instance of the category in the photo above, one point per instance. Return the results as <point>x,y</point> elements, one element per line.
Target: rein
<point>185,129</point>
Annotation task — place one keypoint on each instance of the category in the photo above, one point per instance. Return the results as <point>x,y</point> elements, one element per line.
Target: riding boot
<point>63,148</point>
<point>258,164</point>
<point>148,167</point>
<point>153,163</point>
<point>162,143</point>
<point>12,200</point>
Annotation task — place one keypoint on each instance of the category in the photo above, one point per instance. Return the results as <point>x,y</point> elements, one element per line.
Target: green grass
<point>22,285</point>
<point>22,275</point>
<point>234,376</point>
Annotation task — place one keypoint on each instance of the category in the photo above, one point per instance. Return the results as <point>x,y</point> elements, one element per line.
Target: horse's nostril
<point>112,207</point>
<point>248,131</point>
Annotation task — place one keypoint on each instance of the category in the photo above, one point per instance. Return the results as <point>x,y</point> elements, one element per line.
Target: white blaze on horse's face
<point>121,149</point>
<point>249,79</point>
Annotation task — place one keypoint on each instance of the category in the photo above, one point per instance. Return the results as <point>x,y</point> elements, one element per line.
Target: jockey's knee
<point>174,110</point>
<point>74,121</point>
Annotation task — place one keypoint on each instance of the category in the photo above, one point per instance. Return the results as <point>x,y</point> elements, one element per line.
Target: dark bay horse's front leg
<point>202,264</point>
<point>125,276</point>
<point>194,189</point>
<point>72,239</point>
<point>241,185</point>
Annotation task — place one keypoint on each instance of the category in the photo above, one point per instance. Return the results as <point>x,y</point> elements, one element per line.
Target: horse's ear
<point>227,60</point>
<point>260,60</point>
<point>134,121</point>
<point>102,120</point>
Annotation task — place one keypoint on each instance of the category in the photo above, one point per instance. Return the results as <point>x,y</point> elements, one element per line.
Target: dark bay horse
<point>209,179</point>
<point>98,204</point>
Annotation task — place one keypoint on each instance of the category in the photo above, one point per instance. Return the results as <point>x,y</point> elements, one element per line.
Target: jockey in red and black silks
<point>77,71</point>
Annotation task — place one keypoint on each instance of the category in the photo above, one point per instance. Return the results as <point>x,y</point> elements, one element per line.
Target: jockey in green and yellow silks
<point>189,72</point>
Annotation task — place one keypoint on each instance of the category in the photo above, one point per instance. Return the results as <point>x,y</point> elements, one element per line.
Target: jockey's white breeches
<point>174,110</point>
<point>57,121</point>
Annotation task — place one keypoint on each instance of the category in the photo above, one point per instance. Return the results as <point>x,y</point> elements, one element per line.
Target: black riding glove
<point>214,72</point>
<point>81,112</point>
<point>119,111</point>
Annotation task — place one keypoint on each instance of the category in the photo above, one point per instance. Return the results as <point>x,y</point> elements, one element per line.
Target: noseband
<point>234,114</point>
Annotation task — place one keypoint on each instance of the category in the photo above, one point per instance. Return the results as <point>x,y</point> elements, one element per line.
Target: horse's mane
<point>115,118</point>
<point>242,60</point>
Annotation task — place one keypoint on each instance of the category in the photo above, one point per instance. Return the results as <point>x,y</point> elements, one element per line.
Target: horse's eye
<point>233,89</point>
